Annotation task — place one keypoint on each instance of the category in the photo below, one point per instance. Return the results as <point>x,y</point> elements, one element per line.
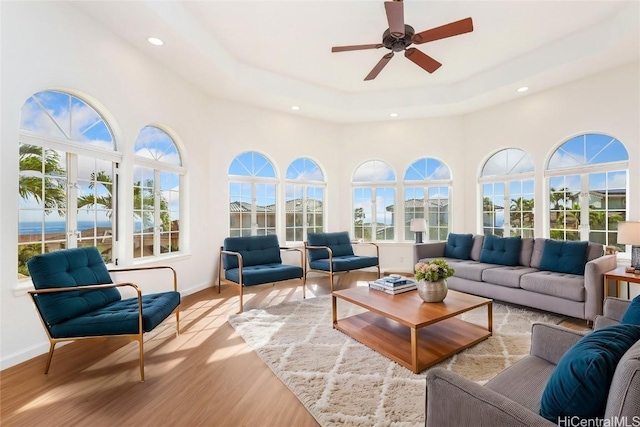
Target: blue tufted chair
<point>330,253</point>
<point>256,260</point>
<point>76,299</point>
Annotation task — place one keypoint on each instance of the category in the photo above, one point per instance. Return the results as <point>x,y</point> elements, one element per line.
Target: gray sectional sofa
<point>575,295</point>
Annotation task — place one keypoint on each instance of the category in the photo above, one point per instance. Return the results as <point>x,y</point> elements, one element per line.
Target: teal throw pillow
<point>579,386</point>
<point>501,250</point>
<point>564,256</point>
<point>631,315</point>
<point>458,246</point>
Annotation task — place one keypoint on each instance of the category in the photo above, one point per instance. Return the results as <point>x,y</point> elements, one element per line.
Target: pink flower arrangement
<point>433,271</point>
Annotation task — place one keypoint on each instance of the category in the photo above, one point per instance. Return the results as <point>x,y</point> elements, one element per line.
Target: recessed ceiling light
<point>295,107</point>
<point>523,89</point>
<point>155,41</point>
<point>393,114</point>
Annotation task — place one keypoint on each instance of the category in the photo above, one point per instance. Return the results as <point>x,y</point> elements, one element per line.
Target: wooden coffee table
<point>409,331</point>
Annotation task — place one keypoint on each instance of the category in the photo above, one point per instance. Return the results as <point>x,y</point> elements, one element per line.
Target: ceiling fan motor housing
<point>398,44</point>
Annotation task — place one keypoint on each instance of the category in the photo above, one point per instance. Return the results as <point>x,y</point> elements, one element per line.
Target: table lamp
<point>418,226</point>
<point>629,234</point>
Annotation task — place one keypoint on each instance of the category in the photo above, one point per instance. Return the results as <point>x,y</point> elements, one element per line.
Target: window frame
<point>304,185</point>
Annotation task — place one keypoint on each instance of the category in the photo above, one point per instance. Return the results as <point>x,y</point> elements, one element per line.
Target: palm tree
<point>35,162</point>
<point>521,212</point>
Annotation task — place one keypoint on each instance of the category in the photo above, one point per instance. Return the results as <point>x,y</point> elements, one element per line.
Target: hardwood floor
<point>207,376</point>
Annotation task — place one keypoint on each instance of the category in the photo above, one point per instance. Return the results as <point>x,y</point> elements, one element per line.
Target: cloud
<point>372,171</point>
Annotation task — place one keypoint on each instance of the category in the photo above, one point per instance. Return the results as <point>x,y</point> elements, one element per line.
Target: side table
<point>619,275</point>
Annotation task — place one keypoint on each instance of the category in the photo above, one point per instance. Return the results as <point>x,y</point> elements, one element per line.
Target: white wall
<point>48,45</point>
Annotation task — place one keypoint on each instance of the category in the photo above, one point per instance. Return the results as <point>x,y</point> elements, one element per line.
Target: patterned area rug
<point>342,382</point>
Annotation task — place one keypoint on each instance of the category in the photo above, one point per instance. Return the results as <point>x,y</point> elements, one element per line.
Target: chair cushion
<point>255,250</point>
<point>501,250</point>
<point>70,268</point>
<point>458,246</point>
<point>120,317</point>
<point>345,263</point>
<point>564,256</point>
<point>631,315</point>
<point>339,243</point>
<point>267,273</point>
<point>579,386</point>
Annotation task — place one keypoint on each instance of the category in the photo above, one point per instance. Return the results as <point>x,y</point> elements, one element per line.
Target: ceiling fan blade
<point>356,47</point>
<point>379,66</point>
<point>422,60</point>
<point>448,30</point>
<point>395,17</point>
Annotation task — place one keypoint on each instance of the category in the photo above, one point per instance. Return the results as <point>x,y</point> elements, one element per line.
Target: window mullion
<point>72,200</point>
<point>157,218</point>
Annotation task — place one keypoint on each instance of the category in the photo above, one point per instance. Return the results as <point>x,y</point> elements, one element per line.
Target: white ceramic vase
<point>432,291</point>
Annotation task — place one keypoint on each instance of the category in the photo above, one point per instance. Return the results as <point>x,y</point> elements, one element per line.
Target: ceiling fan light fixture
<point>523,89</point>
<point>155,41</point>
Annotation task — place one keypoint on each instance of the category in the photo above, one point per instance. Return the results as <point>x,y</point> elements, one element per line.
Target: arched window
<point>67,162</point>
<point>587,177</point>
<point>508,194</point>
<point>304,204</point>
<point>157,176</point>
<point>252,195</point>
<point>374,201</point>
<point>427,194</point>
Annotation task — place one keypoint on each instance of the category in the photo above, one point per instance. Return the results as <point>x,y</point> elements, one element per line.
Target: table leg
<point>334,310</point>
<point>490,314</point>
<point>414,349</point>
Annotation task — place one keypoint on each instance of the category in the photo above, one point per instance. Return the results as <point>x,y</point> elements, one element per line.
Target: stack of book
<point>393,284</point>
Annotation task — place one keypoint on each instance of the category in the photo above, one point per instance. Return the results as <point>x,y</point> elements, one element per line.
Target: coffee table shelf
<point>414,334</point>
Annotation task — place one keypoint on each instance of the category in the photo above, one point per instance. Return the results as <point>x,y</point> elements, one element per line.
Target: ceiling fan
<point>400,36</point>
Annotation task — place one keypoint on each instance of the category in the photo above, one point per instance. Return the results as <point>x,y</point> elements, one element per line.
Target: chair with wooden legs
<point>76,299</point>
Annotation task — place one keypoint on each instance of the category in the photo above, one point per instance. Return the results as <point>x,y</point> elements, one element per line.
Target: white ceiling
<point>276,54</point>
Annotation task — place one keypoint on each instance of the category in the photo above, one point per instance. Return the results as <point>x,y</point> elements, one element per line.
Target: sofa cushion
<point>526,250</point>
<point>567,286</point>
<point>501,250</point>
<point>71,268</point>
<point>339,243</point>
<point>564,256</point>
<point>594,250</point>
<point>624,394</point>
<point>506,276</point>
<point>536,254</point>
<point>471,270</point>
<point>458,246</point>
<point>476,248</point>
<point>345,263</point>
<point>255,250</point>
<point>579,386</point>
<point>631,315</point>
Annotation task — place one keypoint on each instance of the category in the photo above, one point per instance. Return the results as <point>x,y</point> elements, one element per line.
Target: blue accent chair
<point>256,260</point>
<point>331,253</point>
<point>76,299</point>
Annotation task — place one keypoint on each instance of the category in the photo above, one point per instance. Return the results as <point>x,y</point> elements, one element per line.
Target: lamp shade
<point>418,224</point>
<point>629,233</point>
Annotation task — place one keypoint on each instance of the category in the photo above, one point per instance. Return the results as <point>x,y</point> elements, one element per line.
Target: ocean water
<point>35,227</point>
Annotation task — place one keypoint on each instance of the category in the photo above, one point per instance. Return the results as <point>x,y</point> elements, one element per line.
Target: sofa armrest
<point>594,284</point>
<point>428,250</point>
<point>453,400</point>
<point>551,342</point>
<point>602,322</point>
<point>614,308</point>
